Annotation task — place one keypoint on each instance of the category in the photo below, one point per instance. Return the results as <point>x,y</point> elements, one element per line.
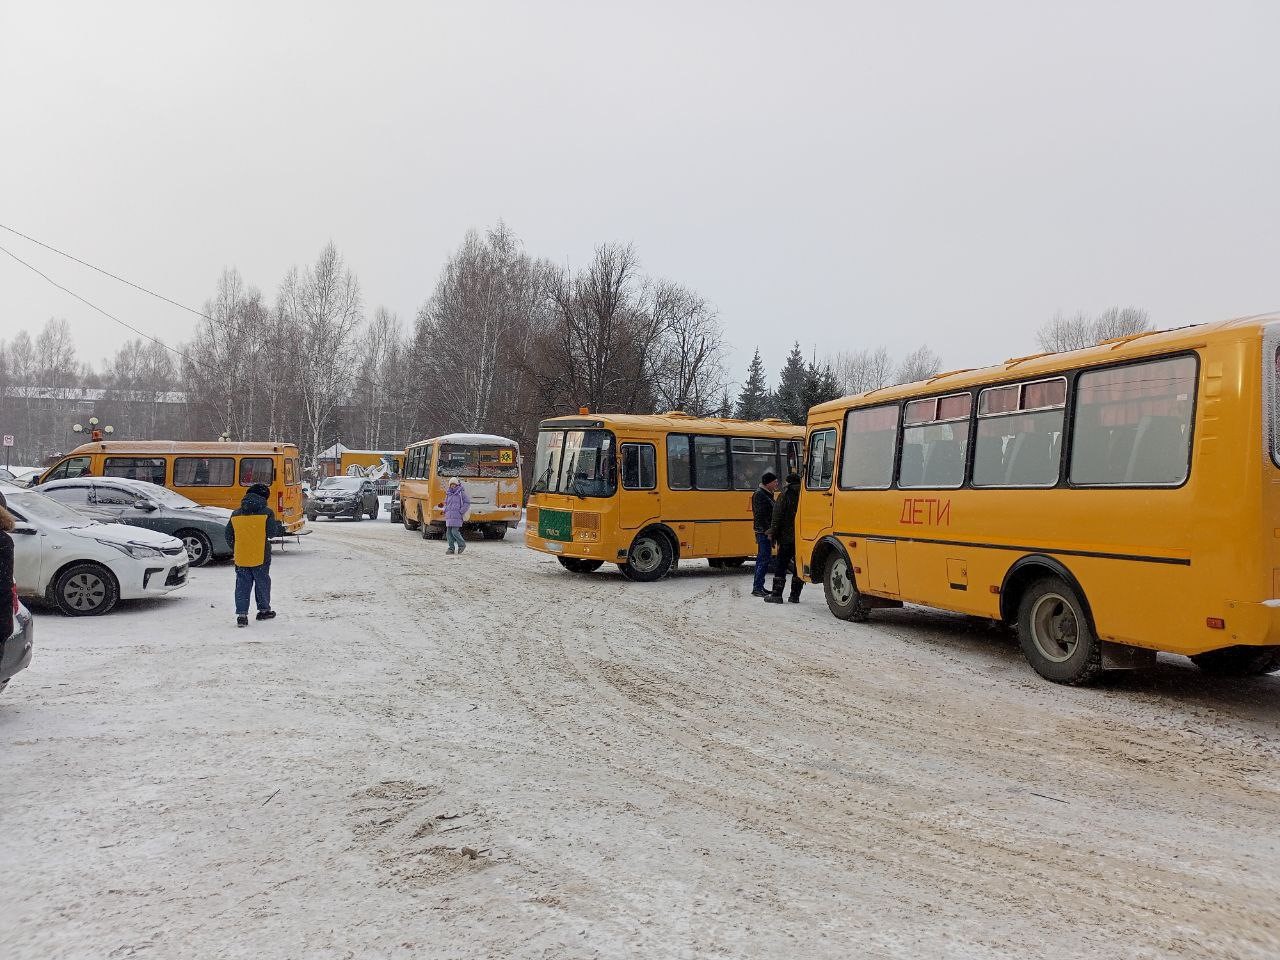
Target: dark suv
<point>352,497</point>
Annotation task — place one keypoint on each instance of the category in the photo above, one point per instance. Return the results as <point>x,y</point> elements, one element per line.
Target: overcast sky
<point>845,174</point>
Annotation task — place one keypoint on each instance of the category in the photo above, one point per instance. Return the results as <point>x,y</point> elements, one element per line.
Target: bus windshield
<point>483,460</point>
<point>578,462</point>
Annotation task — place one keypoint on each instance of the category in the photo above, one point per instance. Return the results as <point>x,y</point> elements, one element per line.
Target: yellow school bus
<point>487,465</point>
<point>646,492</point>
<point>1109,502</point>
<point>212,474</point>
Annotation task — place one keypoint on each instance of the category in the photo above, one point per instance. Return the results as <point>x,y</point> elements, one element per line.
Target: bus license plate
<point>555,524</point>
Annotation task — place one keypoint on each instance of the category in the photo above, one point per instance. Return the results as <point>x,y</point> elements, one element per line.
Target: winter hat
<point>769,477</point>
<point>453,481</point>
<point>793,478</point>
<point>261,490</point>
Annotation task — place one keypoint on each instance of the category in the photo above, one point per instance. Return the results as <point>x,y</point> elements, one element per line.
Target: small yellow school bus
<point>212,474</point>
<point>488,466</point>
<point>1110,502</point>
<point>645,492</point>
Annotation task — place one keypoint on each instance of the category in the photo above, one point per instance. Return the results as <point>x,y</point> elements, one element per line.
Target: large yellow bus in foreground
<point>212,474</point>
<point>645,492</point>
<point>487,465</point>
<point>1110,502</point>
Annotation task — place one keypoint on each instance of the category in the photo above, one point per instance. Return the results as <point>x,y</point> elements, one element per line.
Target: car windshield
<point>341,484</point>
<point>578,462</point>
<point>163,496</point>
<point>36,506</point>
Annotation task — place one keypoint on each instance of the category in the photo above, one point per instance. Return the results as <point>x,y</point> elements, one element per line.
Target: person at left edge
<point>249,532</point>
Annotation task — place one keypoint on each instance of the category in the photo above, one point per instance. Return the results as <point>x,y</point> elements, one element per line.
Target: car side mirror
<point>146,505</point>
<point>24,530</point>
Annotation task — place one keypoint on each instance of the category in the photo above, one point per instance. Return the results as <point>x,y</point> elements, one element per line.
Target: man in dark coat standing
<point>762,517</point>
<point>783,532</point>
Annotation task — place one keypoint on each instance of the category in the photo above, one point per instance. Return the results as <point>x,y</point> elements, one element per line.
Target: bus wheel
<point>650,557</point>
<point>580,564</point>
<point>731,563</point>
<point>409,524</point>
<point>495,531</point>
<point>1239,661</point>
<point>843,598</point>
<point>1055,634</point>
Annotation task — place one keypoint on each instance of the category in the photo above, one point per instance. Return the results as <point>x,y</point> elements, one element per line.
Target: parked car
<point>15,650</point>
<point>21,476</point>
<point>393,508</point>
<point>343,497</point>
<point>83,566</point>
<point>202,530</point>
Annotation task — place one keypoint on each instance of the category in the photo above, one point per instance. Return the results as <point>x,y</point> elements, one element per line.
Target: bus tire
<point>495,531</point>
<point>1055,633</point>
<point>409,524</point>
<point>580,564</point>
<point>1239,661</point>
<point>841,589</point>
<point>650,558</point>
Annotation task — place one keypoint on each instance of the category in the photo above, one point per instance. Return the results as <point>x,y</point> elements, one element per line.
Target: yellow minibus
<point>489,468</point>
<point>212,474</point>
<point>1109,502</point>
<point>646,492</point>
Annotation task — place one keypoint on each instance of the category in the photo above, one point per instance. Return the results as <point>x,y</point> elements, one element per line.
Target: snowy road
<point>672,770</point>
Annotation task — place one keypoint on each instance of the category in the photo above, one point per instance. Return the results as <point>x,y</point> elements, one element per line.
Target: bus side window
<point>822,460</point>
<point>679,476</point>
<point>639,470</point>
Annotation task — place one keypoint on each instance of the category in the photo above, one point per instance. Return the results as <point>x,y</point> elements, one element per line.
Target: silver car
<point>15,650</point>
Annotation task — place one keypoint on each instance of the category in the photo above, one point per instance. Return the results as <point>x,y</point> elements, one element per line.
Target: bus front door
<point>639,501</point>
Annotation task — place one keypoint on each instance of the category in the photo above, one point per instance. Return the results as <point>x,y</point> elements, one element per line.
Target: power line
<point>106,273</point>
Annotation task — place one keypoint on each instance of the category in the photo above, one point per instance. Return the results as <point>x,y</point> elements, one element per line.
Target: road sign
<point>8,440</point>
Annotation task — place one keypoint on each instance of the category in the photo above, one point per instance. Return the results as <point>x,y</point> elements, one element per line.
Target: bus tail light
<point>1215,623</point>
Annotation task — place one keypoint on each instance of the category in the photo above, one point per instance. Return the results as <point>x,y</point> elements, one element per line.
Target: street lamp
<point>224,436</point>
<point>94,433</point>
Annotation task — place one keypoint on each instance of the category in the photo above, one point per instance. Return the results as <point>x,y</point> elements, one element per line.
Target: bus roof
<point>180,446</point>
<point>675,422</point>
<point>1046,364</point>
<point>472,439</point>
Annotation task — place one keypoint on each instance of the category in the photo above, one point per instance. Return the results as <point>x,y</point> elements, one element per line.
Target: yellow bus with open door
<point>489,468</point>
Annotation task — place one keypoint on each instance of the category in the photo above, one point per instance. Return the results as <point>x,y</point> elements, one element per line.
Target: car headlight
<point>135,550</point>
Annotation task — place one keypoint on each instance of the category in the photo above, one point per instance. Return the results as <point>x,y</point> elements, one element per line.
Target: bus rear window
<point>466,460</point>
<point>257,470</point>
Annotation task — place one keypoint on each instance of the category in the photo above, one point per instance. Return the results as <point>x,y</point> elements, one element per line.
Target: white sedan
<point>83,566</point>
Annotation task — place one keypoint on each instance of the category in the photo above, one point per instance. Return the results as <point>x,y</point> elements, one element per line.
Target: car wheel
<point>650,557</point>
<point>373,514</point>
<point>356,513</point>
<point>85,590</point>
<point>311,518</point>
<point>1055,634</point>
<point>199,549</point>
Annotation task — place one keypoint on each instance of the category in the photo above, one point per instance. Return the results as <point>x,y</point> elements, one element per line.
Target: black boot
<point>242,619</point>
<point>773,598</point>
<point>265,614</point>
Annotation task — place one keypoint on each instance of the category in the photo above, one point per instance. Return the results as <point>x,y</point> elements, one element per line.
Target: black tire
<point>86,590</point>
<point>311,518</point>
<point>395,516</point>
<point>844,600</point>
<point>430,531</point>
<point>650,558</point>
<point>408,524</point>
<point>580,564</point>
<point>199,549</point>
<point>1055,633</point>
<point>495,531</point>
<point>373,514</point>
<point>356,513</point>
<point>1239,661</point>
<point>732,563</point>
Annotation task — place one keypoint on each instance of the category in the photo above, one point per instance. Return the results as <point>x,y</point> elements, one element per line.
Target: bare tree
<point>323,307</point>
<point>1078,330</point>
<point>919,364</point>
<point>862,370</point>
<point>688,368</point>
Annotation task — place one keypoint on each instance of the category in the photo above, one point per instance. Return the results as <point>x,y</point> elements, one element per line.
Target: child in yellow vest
<point>249,532</point>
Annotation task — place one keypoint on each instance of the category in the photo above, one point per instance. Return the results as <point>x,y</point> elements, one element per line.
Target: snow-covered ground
<point>480,756</point>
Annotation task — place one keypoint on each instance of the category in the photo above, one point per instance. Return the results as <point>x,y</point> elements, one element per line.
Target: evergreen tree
<point>821,385</point>
<point>725,409</point>
<point>753,401</point>
<point>791,399</point>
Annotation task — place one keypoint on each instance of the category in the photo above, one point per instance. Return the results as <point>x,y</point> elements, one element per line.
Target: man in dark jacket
<point>783,532</point>
<point>762,517</point>
<point>249,532</point>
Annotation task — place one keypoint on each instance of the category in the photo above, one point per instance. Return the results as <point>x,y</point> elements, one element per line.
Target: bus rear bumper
<point>1243,623</point>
